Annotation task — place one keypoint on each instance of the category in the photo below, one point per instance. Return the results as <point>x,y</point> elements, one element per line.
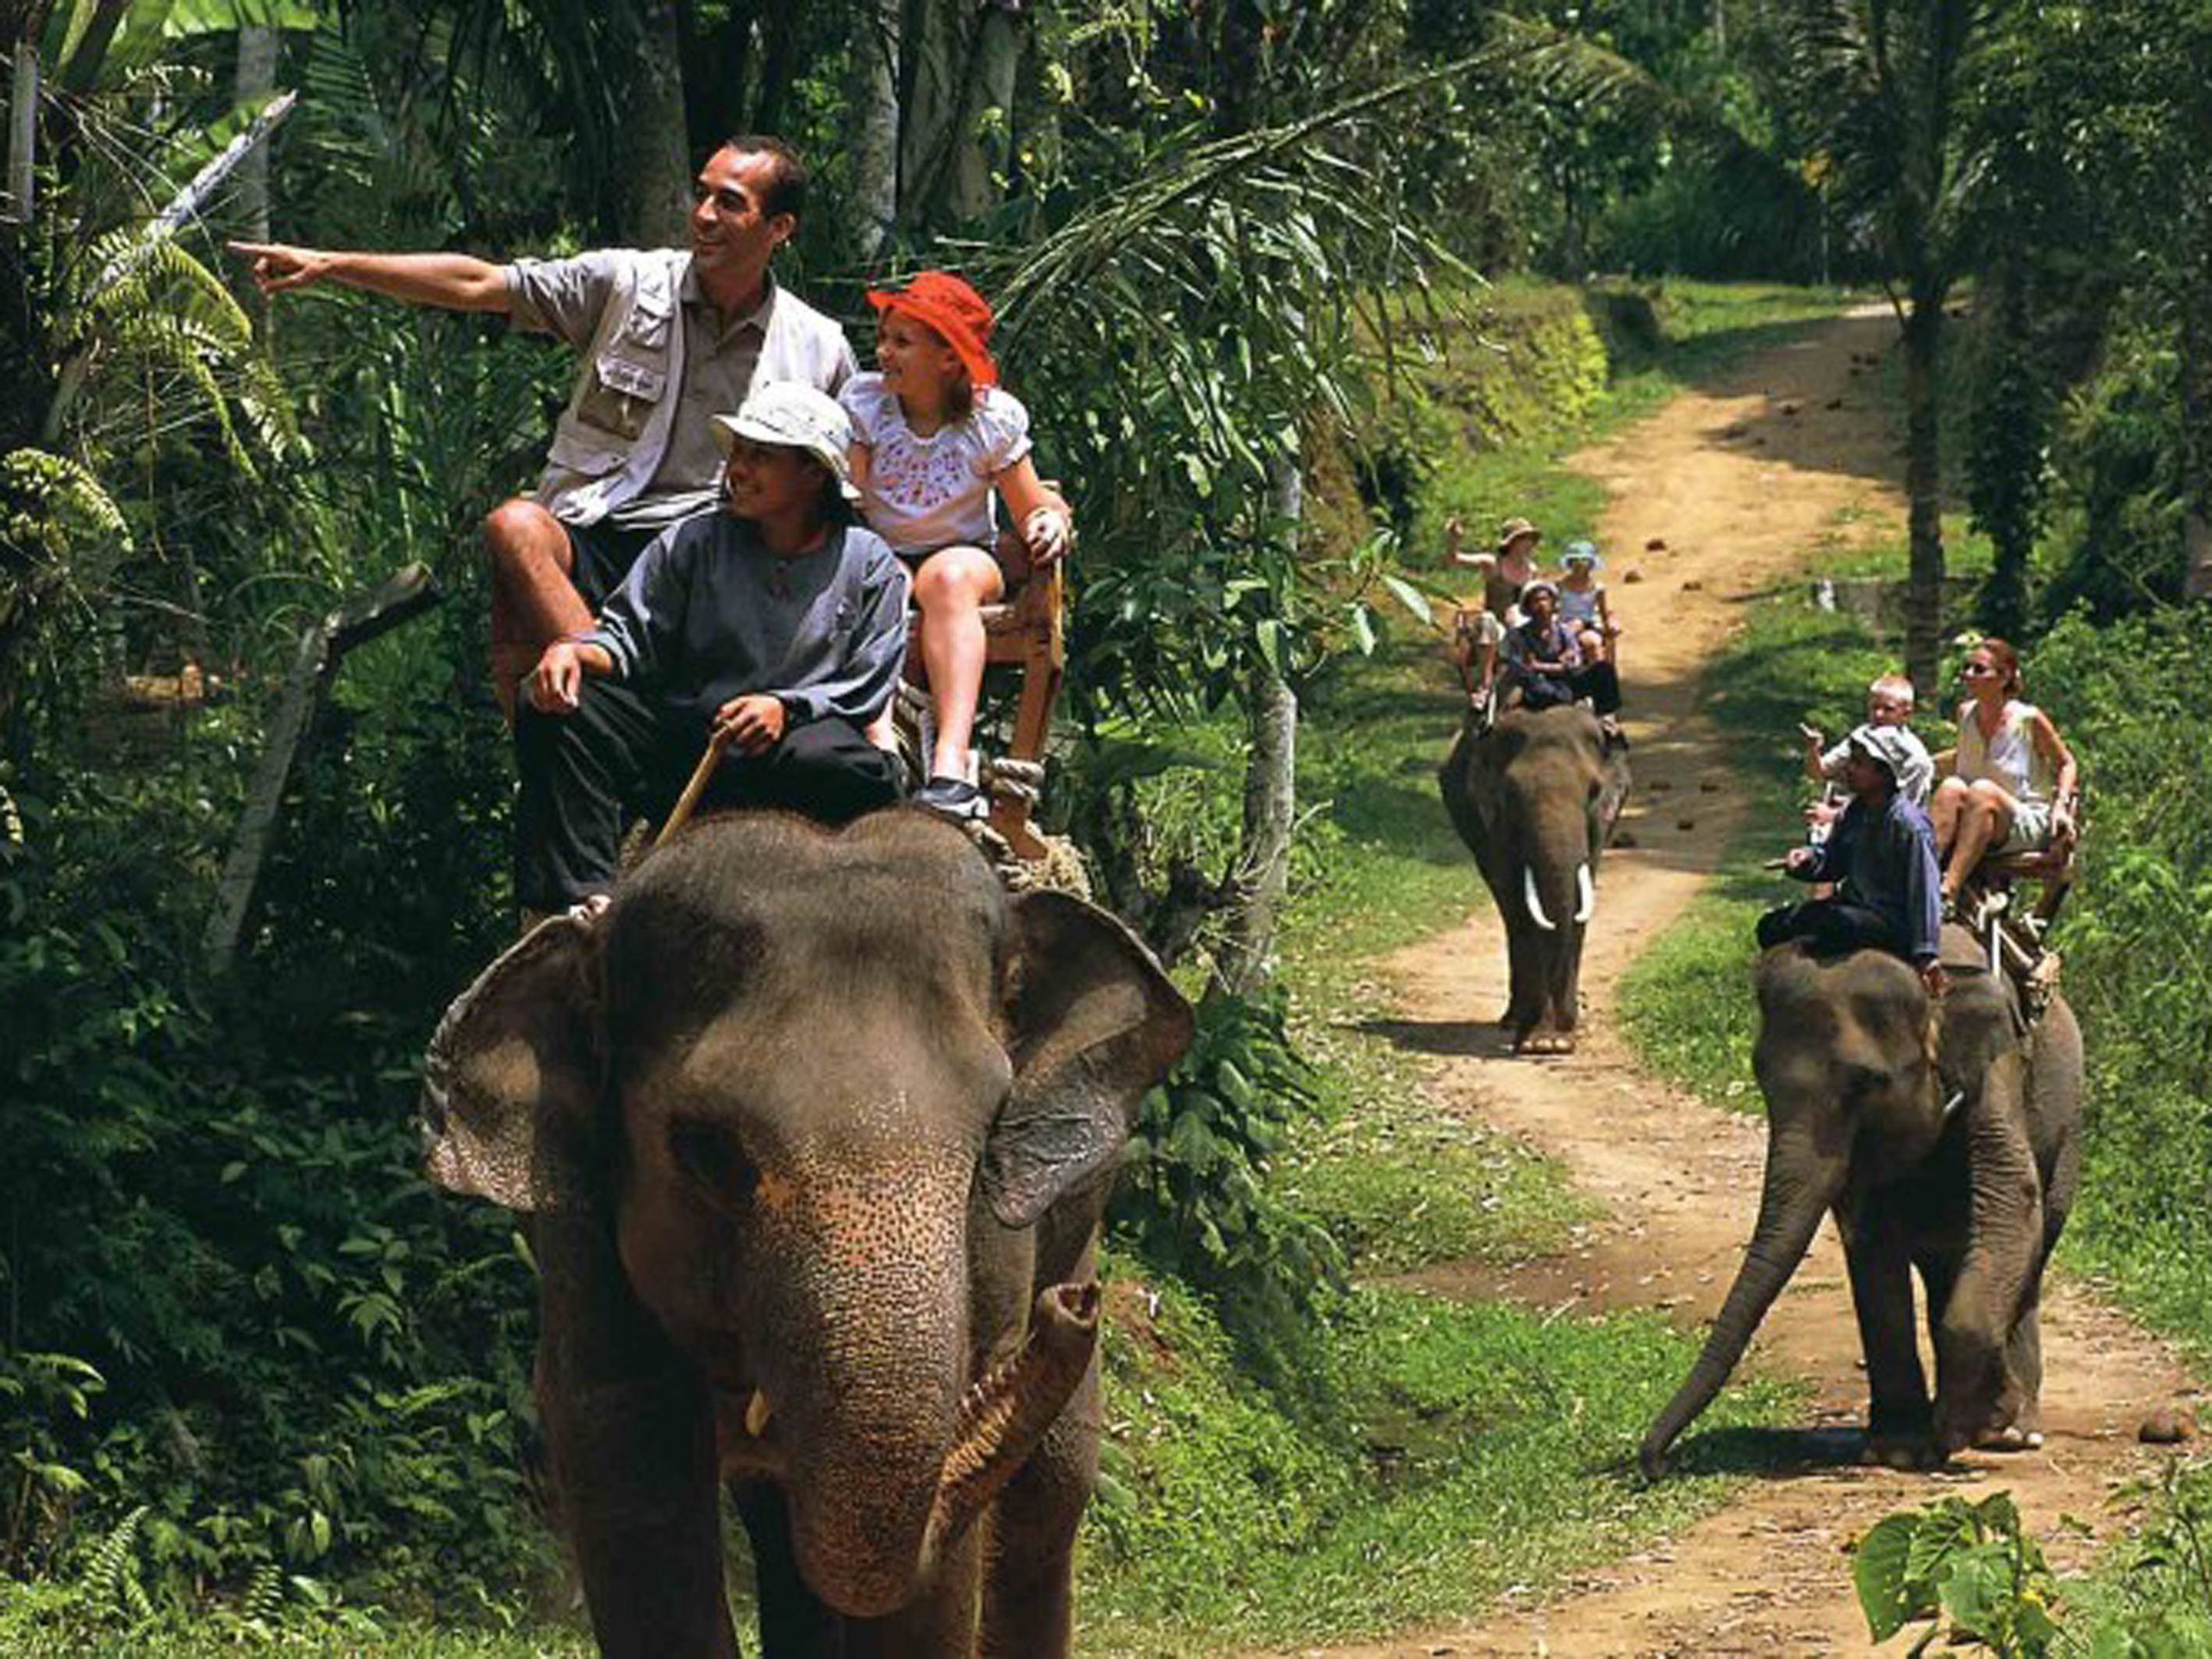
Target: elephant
<point>1953,1152</point>
<point>815,1130</point>
<point>1535,796</point>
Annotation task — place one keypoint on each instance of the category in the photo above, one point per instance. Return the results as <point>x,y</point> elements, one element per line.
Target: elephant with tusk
<point>815,1129</point>
<point>1534,795</point>
<point>1956,1160</point>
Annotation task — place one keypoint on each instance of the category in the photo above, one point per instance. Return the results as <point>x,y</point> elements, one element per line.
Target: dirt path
<point>1742,482</point>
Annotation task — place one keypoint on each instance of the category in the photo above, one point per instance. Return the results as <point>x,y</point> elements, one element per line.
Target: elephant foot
<point>2012,1438</point>
<point>1545,1043</point>
<point>1905,1451</point>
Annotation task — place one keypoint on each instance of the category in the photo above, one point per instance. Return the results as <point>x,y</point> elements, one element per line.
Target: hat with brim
<point>1582,553</point>
<point>790,415</point>
<point>1882,744</point>
<point>960,318</point>
<point>1530,589</point>
<point>1513,530</point>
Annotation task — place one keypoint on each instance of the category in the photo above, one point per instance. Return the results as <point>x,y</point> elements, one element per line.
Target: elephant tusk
<point>757,1412</point>
<point>1535,905</point>
<point>1587,889</point>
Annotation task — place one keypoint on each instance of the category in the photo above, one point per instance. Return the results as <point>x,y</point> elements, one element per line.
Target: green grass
<point>1474,1447</point>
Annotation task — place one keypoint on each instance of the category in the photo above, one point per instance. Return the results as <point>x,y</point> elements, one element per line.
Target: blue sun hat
<point>1582,553</point>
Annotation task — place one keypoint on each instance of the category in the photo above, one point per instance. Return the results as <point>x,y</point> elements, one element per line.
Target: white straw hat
<point>794,416</point>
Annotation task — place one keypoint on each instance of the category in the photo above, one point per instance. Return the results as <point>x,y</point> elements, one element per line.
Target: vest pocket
<point>583,451</point>
<point>621,395</point>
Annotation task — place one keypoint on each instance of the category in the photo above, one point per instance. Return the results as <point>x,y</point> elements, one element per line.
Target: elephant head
<point>1535,796</point>
<point>1953,1155</point>
<point>839,1113</point>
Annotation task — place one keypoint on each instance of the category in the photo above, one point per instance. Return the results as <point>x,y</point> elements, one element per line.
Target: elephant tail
<point>1790,1212</point>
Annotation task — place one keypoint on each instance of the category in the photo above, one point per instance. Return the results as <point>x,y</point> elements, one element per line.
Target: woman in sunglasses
<point>2013,783</point>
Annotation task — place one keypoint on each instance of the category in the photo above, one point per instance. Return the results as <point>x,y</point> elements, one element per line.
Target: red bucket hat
<point>940,300</point>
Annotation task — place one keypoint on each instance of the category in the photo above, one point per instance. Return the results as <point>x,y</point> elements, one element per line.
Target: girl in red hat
<point>935,434</point>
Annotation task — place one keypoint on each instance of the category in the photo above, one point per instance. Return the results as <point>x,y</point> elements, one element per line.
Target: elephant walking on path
<point>1534,795</point>
<point>817,1129</point>
<point>1960,1165</point>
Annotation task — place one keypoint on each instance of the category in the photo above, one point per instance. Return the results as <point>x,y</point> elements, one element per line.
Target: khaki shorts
<point>2031,828</point>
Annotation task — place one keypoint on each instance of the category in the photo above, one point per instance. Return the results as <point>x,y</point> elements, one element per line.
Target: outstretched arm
<point>458,281</point>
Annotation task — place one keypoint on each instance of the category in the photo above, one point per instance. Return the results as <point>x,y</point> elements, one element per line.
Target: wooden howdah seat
<point>1026,630</point>
<point>2017,932</point>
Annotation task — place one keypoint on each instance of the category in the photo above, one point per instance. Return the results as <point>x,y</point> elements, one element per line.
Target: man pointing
<point>669,337</point>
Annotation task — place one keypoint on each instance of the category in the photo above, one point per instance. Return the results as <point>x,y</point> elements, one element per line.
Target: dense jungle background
<point>1284,285</point>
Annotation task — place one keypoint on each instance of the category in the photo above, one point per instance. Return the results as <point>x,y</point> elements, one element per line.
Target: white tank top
<point>2010,759</point>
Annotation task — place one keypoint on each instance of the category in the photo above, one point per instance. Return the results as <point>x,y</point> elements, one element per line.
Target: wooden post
<point>364,617</point>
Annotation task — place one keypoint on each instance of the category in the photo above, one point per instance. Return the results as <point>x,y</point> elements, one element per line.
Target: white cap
<point>794,416</point>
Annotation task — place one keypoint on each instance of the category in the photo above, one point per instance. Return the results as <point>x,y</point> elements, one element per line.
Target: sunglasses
<point>1975,669</point>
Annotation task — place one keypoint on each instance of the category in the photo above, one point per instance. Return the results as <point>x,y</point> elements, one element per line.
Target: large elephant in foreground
<point>1535,796</point>
<point>1961,1165</point>
<point>816,1128</point>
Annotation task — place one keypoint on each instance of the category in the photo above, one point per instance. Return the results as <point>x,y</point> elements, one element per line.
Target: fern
<point>112,1576</point>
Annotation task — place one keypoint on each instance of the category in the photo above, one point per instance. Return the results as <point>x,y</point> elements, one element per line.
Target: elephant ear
<point>1092,1023</point>
<point>511,1083</point>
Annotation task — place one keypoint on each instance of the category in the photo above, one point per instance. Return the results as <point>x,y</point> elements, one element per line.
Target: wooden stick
<point>679,814</point>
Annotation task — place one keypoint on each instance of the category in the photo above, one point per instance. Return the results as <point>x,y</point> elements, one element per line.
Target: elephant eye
<point>710,1155</point>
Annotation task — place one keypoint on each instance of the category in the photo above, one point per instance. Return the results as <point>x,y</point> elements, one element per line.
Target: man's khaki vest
<point>611,438</point>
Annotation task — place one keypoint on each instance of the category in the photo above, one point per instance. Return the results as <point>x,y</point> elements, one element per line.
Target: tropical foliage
<point>248,1361</point>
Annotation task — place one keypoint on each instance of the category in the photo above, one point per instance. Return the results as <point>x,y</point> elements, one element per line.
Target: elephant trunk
<point>885,1483</point>
<point>1790,1206</point>
<point>1008,1411</point>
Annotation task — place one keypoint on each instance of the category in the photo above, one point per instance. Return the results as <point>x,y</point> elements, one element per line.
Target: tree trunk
<point>987,125</point>
<point>930,100</point>
<point>653,152</point>
<point>781,35</point>
<point>1923,489</point>
<point>1247,960</point>
<point>872,100</point>
<point>256,79</point>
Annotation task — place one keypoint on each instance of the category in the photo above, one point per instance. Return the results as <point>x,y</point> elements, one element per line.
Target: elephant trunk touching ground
<point>1956,1160</point>
<point>1789,1211</point>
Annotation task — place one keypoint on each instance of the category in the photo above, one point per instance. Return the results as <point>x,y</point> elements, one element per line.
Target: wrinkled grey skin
<point>1535,799</point>
<point>1972,1198</point>
<point>821,1123</point>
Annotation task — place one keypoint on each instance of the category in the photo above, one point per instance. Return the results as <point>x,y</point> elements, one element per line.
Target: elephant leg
<point>630,1427</point>
<point>1562,973</point>
<point>1899,1421</point>
<point>2021,1405</point>
<point>941,1619</point>
<point>1524,1003</point>
<point>1028,1590</point>
<point>795,1622</point>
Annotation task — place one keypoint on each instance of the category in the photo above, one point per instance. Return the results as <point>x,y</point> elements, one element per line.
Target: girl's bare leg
<point>1950,796</point>
<point>1984,822</point>
<point>952,586</point>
